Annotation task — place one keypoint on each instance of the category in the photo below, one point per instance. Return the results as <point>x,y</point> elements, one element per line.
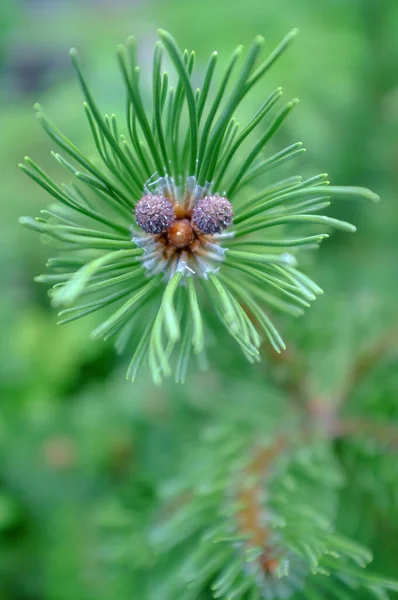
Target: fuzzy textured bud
<point>212,214</point>
<point>154,214</point>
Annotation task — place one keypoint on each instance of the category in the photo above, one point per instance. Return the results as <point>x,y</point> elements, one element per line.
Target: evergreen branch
<point>366,360</point>
<point>167,224</point>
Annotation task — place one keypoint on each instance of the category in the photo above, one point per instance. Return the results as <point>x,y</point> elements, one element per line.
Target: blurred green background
<point>69,421</point>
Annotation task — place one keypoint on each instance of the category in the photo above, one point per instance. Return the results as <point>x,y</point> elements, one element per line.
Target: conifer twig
<point>366,361</point>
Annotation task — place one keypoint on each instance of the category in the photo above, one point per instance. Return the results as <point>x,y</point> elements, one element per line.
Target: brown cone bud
<point>181,234</point>
<point>212,214</point>
<point>154,214</point>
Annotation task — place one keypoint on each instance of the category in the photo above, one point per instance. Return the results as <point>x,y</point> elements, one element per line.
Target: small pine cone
<point>154,214</point>
<point>212,214</point>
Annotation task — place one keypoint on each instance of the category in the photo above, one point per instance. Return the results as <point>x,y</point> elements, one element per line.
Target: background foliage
<point>86,456</point>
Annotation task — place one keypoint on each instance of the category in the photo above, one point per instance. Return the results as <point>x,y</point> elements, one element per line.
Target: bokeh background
<point>68,419</point>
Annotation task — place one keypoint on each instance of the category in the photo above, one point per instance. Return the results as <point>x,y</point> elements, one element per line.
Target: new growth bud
<point>212,214</point>
<point>154,214</point>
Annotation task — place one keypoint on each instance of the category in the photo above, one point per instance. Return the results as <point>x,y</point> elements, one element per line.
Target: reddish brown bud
<point>154,214</point>
<point>212,214</point>
<point>181,233</point>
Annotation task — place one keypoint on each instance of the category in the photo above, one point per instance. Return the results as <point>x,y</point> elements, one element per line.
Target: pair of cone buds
<point>155,214</point>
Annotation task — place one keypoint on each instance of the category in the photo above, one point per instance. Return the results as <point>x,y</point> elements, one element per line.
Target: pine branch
<point>366,361</point>
<point>159,196</point>
<point>261,519</point>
